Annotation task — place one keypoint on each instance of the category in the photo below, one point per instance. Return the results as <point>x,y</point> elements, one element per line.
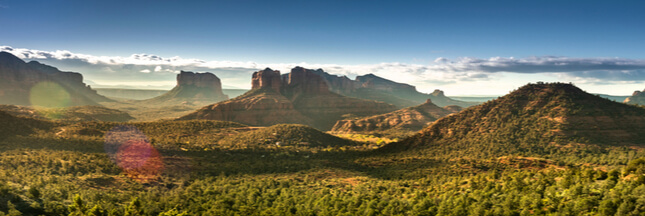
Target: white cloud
<point>441,71</point>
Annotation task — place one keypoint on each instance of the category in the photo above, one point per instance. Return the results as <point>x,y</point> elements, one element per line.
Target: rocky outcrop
<point>638,97</point>
<point>301,97</point>
<point>17,79</point>
<point>192,87</point>
<point>267,79</point>
<point>437,93</point>
<point>408,119</point>
<point>302,81</point>
<point>202,80</point>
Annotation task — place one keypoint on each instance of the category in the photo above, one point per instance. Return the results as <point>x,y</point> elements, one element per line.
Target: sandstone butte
<point>301,97</point>
<point>204,88</point>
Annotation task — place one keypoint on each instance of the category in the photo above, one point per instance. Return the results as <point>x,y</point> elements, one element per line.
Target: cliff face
<point>267,79</point>
<point>408,119</point>
<point>202,80</point>
<point>637,98</point>
<point>193,87</point>
<point>301,97</point>
<point>17,79</point>
<point>301,82</point>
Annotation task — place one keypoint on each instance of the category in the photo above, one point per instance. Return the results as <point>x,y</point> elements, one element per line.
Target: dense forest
<point>201,167</point>
<point>49,172</point>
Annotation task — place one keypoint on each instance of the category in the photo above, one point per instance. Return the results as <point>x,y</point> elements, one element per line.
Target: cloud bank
<point>146,68</point>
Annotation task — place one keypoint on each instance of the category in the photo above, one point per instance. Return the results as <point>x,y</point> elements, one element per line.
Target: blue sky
<point>347,33</point>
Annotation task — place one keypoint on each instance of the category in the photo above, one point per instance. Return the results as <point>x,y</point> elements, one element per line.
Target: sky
<point>461,47</point>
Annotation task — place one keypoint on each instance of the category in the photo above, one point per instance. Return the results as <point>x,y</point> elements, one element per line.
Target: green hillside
<point>535,120</point>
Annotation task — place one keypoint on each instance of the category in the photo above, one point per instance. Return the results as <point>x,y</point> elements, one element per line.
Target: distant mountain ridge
<point>300,97</point>
<point>536,119</point>
<point>17,79</point>
<point>373,87</point>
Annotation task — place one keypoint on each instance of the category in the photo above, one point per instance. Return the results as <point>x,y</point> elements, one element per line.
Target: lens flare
<point>49,95</point>
<point>131,150</point>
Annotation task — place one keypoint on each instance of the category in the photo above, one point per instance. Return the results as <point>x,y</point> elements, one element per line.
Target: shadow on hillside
<point>250,161</point>
<point>260,161</point>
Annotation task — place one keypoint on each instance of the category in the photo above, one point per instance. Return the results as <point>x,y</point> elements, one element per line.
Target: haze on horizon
<point>461,47</point>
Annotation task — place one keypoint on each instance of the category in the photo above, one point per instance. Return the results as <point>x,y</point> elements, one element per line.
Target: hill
<point>285,135</point>
<point>408,119</point>
<point>256,107</point>
<point>69,114</point>
<point>37,84</point>
<point>536,119</point>
<point>300,97</point>
<point>373,87</point>
<point>11,125</point>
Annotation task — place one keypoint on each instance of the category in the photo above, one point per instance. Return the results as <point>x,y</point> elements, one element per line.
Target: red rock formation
<point>204,88</point>
<point>301,96</point>
<point>302,81</point>
<point>267,78</point>
<point>204,80</point>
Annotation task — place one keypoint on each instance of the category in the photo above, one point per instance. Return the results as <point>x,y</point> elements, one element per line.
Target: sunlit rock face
<point>267,79</point>
<point>21,83</point>
<point>303,81</point>
<point>638,97</point>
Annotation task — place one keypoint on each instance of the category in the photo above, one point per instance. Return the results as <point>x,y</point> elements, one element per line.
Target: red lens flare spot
<point>130,149</point>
